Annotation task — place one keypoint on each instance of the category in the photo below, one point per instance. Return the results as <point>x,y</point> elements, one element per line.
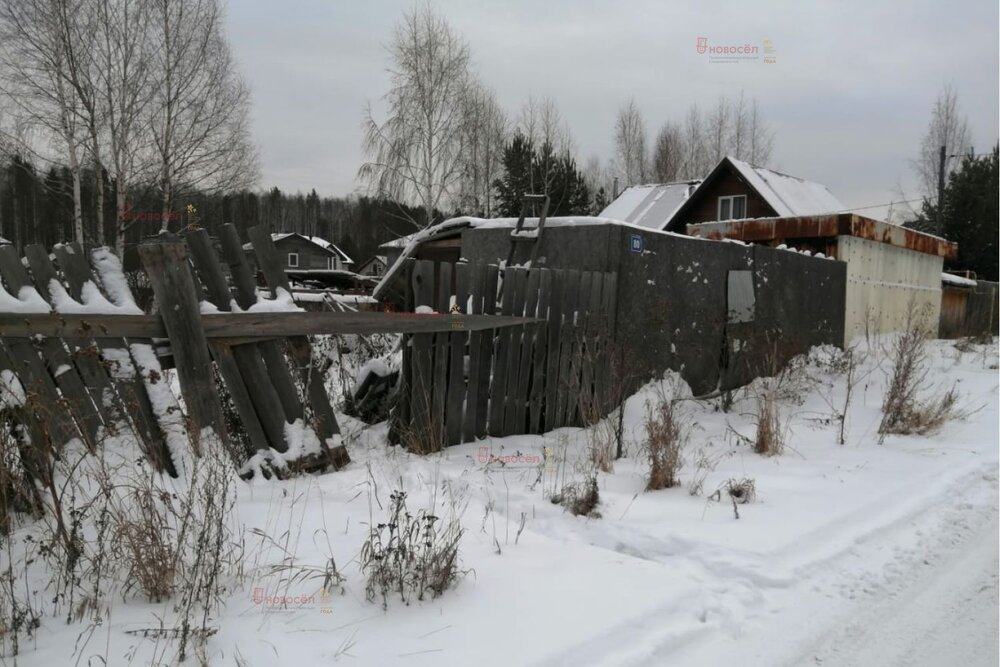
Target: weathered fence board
<point>543,369</point>
<point>166,264</point>
<point>56,357</point>
<point>301,350</point>
<point>486,342</point>
<point>457,389</point>
<point>83,351</point>
<point>126,376</point>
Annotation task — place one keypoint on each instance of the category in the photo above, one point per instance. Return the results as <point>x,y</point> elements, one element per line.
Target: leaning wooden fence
<point>78,358</point>
<point>461,385</point>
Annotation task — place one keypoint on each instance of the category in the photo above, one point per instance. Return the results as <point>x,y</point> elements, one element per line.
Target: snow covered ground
<point>855,554</point>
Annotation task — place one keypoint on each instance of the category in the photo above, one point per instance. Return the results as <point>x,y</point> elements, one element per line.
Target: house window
<point>331,263</point>
<point>293,260</point>
<point>733,207</point>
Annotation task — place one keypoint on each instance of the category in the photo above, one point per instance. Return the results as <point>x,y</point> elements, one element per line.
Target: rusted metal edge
<point>825,226</point>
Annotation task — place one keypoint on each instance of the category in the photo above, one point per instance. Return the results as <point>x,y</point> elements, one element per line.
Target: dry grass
<point>769,439</point>
<point>666,436</point>
<point>410,555</point>
<point>903,410</point>
<point>580,498</point>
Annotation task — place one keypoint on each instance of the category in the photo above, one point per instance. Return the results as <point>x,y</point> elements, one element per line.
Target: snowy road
<point>921,591</point>
<point>943,611</point>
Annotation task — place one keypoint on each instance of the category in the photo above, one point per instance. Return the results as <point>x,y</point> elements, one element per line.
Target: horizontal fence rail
<point>247,325</point>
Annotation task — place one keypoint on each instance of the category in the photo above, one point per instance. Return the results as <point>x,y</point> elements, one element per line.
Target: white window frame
<point>293,256</point>
<point>331,263</point>
<point>731,199</point>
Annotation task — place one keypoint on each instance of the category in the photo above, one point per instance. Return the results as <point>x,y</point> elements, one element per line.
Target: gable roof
<point>372,260</point>
<point>789,196</point>
<point>315,240</point>
<point>651,206</point>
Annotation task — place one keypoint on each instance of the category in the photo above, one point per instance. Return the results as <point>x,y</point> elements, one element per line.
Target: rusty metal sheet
<point>825,226</point>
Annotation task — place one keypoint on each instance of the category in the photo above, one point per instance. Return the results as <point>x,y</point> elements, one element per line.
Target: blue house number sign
<point>635,242</point>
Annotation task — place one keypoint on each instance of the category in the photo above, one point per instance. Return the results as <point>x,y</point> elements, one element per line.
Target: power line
<point>888,203</point>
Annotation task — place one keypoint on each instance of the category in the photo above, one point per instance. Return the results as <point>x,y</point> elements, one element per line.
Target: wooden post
<point>166,262</point>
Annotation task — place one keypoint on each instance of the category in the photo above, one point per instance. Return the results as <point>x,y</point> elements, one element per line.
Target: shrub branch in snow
<point>666,436</point>
<point>903,411</point>
<point>410,555</point>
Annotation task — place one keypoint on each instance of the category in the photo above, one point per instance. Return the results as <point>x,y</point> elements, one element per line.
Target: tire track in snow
<point>747,615</point>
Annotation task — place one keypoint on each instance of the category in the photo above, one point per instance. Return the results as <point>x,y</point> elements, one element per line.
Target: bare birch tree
<point>414,155</point>
<point>948,127</point>
<point>760,136</point>
<point>668,154</point>
<point>199,113</point>
<point>75,23</point>
<point>485,129</point>
<point>718,129</point>
<point>630,142</point>
<point>121,47</point>
<point>697,160</point>
<point>548,134</point>
<point>34,64</point>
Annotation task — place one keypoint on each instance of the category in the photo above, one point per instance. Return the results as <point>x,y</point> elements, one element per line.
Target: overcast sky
<point>848,96</point>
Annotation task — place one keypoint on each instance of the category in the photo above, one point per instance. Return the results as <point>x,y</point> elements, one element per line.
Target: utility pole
<point>940,197</point>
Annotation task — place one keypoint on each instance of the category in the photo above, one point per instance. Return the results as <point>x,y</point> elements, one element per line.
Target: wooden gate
<point>460,386</point>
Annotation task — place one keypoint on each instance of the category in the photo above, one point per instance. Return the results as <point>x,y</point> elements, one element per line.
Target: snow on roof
<point>401,242</point>
<point>455,225</point>
<point>952,279</point>
<point>321,242</point>
<point>788,195</point>
<point>650,206</point>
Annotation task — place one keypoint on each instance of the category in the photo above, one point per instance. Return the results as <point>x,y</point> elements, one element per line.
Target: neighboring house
<point>650,206</point>
<point>301,253</point>
<point>737,190</point>
<point>373,266</point>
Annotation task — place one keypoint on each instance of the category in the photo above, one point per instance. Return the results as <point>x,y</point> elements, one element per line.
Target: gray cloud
<point>849,96</point>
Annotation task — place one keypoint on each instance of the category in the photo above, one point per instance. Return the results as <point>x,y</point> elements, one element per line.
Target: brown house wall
<point>706,207</point>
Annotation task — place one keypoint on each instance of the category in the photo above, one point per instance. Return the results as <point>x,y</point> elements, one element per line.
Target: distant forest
<point>37,207</point>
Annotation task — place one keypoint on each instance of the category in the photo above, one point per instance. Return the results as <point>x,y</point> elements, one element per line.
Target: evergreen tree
<point>970,215</point>
<point>527,170</point>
